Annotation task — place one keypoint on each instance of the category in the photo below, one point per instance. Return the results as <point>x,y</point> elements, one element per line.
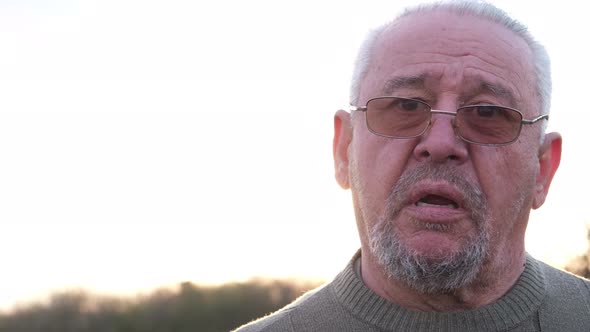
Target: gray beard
<point>443,273</point>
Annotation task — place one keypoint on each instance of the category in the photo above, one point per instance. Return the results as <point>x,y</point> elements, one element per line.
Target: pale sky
<point>146,143</point>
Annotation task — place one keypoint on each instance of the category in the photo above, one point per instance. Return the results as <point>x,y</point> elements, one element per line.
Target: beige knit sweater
<point>543,299</point>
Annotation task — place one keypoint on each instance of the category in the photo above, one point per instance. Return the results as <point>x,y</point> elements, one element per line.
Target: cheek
<point>377,163</point>
<point>507,179</point>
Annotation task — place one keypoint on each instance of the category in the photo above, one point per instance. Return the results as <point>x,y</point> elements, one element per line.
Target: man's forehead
<point>443,21</point>
<point>492,58</point>
<point>438,17</point>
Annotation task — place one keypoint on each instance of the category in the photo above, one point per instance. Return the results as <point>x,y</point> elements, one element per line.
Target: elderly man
<point>445,153</point>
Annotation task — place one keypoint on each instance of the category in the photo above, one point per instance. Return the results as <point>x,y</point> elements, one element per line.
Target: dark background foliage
<point>188,308</point>
<point>581,264</point>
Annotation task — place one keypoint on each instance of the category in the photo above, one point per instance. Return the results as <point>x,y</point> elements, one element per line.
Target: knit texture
<point>543,299</point>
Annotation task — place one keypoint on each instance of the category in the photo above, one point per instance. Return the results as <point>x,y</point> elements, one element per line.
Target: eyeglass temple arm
<point>540,117</point>
<point>353,108</point>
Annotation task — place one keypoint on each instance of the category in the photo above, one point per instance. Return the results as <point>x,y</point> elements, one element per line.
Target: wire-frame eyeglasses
<point>485,124</point>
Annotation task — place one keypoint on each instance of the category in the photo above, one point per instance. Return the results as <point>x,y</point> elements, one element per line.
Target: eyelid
<point>479,102</point>
<point>424,100</point>
<point>416,94</point>
<point>486,101</point>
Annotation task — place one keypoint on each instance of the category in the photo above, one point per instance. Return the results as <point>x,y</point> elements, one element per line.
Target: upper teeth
<point>451,206</point>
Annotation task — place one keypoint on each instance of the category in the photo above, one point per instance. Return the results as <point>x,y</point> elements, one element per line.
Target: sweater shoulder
<point>566,306</point>
<point>278,321</point>
<point>559,281</point>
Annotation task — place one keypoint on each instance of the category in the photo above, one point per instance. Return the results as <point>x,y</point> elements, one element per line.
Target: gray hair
<point>483,10</point>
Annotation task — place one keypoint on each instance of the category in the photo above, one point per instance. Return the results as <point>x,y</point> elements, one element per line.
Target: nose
<point>439,143</point>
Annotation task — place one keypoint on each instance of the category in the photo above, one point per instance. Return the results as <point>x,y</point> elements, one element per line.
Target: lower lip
<point>436,214</point>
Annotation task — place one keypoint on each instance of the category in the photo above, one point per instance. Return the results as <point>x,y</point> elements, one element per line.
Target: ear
<point>342,138</point>
<point>549,158</point>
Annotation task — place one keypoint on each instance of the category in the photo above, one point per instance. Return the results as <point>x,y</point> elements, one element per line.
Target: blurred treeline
<point>581,264</point>
<point>188,308</point>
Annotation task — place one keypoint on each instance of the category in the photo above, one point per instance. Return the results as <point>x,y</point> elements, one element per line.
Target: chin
<point>436,246</point>
<point>429,261</point>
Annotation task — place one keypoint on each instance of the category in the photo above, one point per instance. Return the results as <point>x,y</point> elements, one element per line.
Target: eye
<point>489,111</point>
<point>409,105</point>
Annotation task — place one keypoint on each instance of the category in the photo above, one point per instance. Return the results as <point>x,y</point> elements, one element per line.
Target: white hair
<point>484,10</point>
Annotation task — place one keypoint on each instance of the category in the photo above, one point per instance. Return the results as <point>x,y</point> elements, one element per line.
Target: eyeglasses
<point>479,124</point>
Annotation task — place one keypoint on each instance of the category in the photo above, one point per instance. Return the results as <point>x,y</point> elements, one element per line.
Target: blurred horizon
<point>579,265</point>
<point>185,307</point>
<point>93,295</point>
<point>147,143</point>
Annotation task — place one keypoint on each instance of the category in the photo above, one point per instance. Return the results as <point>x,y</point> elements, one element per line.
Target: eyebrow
<point>403,82</point>
<point>419,82</point>
<point>497,90</point>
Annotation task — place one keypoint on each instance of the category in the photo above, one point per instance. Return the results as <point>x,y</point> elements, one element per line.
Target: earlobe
<point>549,158</point>
<point>342,138</point>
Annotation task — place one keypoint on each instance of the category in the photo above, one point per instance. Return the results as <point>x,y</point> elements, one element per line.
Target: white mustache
<point>475,201</point>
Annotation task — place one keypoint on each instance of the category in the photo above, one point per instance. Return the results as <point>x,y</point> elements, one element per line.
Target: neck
<point>496,277</point>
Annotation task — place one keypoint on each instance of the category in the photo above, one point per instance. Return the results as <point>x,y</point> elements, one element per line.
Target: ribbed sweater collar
<point>518,304</point>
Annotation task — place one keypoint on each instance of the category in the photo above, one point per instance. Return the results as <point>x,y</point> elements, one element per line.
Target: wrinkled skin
<point>452,56</point>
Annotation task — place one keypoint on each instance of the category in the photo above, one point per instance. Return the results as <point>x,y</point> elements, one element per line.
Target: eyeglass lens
<point>404,118</point>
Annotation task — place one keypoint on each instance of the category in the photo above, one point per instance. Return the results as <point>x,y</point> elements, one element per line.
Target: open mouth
<point>437,201</point>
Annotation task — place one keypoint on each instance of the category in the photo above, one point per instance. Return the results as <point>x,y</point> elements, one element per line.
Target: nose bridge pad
<point>428,127</point>
<point>455,126</point>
